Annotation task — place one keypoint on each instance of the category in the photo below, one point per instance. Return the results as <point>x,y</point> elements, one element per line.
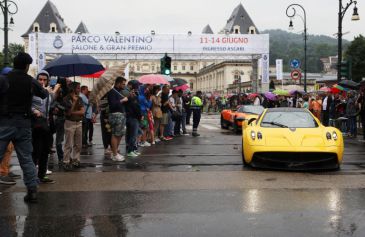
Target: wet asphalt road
<point>190,187</point>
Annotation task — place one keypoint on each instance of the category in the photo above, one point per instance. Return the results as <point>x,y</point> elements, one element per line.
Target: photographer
<point>59,116</point>
<point>74,113</point>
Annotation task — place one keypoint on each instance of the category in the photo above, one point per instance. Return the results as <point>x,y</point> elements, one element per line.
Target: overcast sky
<point>173,16</point>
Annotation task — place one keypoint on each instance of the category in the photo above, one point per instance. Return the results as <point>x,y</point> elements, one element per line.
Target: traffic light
<point>166,65</point>
<point>345,69</point>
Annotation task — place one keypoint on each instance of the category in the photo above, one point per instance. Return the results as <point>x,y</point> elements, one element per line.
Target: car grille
<point>295,160</point>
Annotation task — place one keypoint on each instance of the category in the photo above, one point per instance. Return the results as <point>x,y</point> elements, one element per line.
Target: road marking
<point>209,127</point>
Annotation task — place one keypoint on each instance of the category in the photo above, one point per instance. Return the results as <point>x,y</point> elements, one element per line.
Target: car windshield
<point>250,109</point>
<point>292,119</point>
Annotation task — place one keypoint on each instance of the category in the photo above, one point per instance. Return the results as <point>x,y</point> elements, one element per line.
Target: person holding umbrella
<point>74,113</point>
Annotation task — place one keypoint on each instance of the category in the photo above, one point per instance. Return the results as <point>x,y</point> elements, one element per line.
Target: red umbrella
<point>94,75</point>
<point>253,95</point>
<point>183,87</point>
<point>153,79</point>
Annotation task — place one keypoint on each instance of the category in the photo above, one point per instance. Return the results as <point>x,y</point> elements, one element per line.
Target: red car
<point>234,118</point>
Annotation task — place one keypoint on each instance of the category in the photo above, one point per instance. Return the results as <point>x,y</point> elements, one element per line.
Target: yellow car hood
<point>286,137</point>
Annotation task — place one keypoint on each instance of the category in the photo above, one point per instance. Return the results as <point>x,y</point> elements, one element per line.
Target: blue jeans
<point>22,140</point>
<point>352,125</point>
<point>169,127</point>
<point>183,121</point>
<point>132,134</point>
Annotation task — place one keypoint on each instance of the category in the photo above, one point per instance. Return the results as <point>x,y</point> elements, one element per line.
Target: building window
<point>138,68</point>
<point>252,30</point>
<point>236,31</point>
<point>53,27</point>
<point>175,68</point>
<point>153,68</point>
<point>183,67</point>
<point>35,27</point>
<point>191,68</point>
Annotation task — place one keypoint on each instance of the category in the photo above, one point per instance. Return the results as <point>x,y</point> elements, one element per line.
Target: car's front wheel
<point>235,127</point>
<point>223,123</point>
<point>245,164</point>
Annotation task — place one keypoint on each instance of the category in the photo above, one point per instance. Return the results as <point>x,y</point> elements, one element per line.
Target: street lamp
<point>292,6</point>
<point>7,7</point>
<point>341,13</point>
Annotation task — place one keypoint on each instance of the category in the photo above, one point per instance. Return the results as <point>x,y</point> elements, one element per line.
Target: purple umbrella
<point>270,96</point>
<point>292,92</point>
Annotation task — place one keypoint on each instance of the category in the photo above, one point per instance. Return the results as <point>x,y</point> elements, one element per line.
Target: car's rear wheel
<point>245,164</point>
<point>223,123</point>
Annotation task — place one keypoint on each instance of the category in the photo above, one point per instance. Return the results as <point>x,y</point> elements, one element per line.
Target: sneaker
<point>90,144</point>
<point>31,197</point>
<point>157,140</point>
<point>46,180</point>
<point>195,134</point>
<point>118,157</point>
<point>137,153</point>
<point>132,154</point>
<point>168,138</point>
<point>7,180</point>
<point>145,144</point>
<point>185,133</point>
<point>76,164</point>
<point>107,151</point>
<point>67,166</point>
<point>48,172</point>
<point>153,143</point>
<point>14,176</point>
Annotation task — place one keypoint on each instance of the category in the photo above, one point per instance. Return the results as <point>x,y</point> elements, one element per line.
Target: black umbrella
<point>349,84</point>
<point>73,65</point>
<point>178,82</point>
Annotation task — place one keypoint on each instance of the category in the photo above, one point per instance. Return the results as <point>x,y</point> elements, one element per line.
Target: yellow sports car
<point>290,138</point>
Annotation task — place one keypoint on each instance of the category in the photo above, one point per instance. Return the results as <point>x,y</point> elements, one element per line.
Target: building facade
<point>205,75</point>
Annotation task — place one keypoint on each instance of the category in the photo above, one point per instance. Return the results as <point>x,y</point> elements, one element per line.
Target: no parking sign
<point>296,74</point>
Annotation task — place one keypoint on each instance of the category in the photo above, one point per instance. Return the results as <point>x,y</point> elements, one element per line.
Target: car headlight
<point>253,135</point>
<point>259,135</point>
<point>328,136</point>
<point>334,136</point>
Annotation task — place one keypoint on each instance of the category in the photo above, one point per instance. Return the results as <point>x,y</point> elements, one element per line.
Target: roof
<point>82,28</point>
<point>207,30</point>
<point>49,14</point>
<point>239,17</point>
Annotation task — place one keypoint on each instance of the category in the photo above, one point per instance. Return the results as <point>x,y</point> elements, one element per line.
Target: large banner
<point>234,44</point>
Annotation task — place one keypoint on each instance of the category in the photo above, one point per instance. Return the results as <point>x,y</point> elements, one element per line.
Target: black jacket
<point>17,90</point>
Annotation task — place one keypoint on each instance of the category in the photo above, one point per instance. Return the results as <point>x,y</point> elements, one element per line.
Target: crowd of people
<point>33,113</point>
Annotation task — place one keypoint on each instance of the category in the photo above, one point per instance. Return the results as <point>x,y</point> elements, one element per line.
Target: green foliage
<point>356,53</point>
<point>14,49</point>
<point>287,46</point>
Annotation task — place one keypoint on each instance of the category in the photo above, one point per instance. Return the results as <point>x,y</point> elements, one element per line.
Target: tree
<point>14,49</point>
<point>356,53</point>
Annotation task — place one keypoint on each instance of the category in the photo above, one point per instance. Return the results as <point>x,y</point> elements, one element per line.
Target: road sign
<point>295,74</point>
<point>295,63</point>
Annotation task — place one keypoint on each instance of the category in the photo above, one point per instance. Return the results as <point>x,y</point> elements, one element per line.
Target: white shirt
<point>324,103</point>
